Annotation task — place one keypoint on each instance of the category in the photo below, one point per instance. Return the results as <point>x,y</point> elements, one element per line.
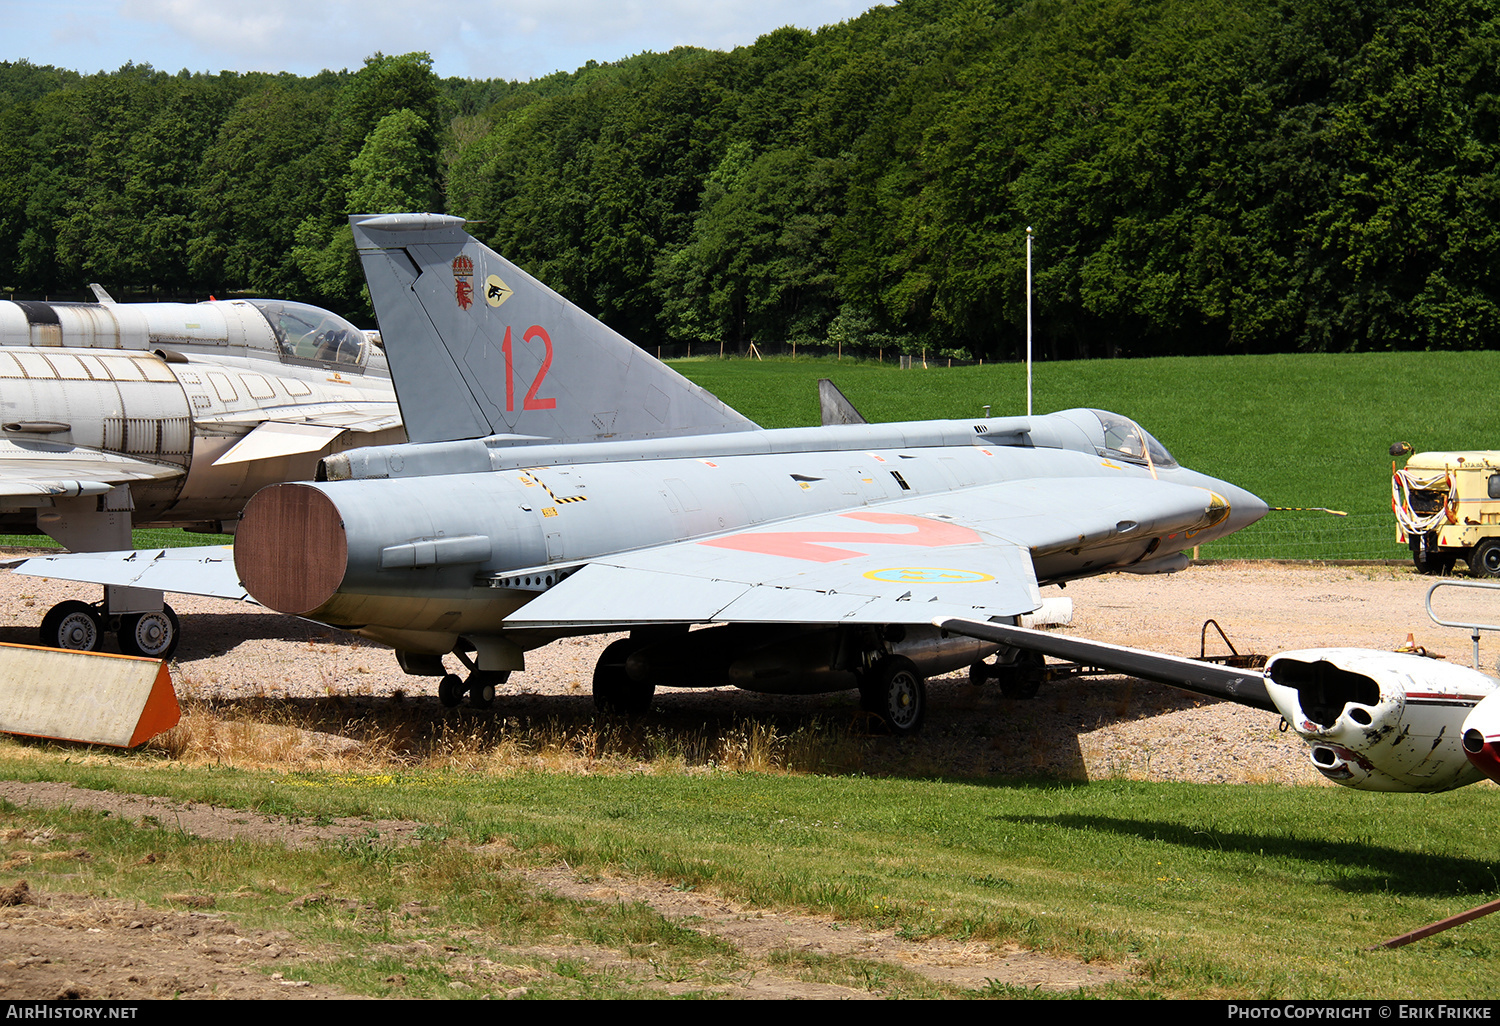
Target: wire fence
<point>921,359</point>
<point>1312,536</point>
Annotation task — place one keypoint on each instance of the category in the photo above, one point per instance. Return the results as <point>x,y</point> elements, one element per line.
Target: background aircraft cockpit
<point>306,332</point>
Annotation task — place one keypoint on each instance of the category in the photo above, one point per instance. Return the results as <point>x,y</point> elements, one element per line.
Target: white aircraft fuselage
<point>115,416</point>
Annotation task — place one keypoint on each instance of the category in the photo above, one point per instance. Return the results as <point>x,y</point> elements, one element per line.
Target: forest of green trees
<point>1203,176</point>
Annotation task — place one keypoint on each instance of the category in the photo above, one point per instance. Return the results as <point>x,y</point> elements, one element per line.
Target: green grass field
<point>1201,891</point>
<point>1298,430</point>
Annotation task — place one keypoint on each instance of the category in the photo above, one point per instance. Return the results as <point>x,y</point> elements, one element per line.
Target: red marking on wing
<point>820,546</point>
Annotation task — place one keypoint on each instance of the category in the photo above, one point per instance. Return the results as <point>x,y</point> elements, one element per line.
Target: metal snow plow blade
<point>93,697</point>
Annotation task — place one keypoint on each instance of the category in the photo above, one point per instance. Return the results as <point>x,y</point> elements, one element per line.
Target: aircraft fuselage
<point>418,560</point>
<point>139,405</point>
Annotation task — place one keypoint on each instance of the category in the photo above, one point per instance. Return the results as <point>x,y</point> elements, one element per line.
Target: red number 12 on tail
<point>530,402</point>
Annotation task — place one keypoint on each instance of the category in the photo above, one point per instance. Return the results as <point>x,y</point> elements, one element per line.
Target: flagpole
<point>1028,321</point>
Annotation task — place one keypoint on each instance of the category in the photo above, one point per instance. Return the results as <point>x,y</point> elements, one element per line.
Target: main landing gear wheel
<point>1485,560</point>
<point>72,624</point>
<point>614,692</point>
<point>896,692</point>
<point>1021,679</point>
<point>153,635</point>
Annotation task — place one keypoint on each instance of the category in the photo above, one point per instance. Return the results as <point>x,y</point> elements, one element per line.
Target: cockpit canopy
<point>306,332</point>
<point>1126,440</point>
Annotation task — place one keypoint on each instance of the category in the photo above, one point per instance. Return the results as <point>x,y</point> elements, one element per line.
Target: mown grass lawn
<point>1203,891</point>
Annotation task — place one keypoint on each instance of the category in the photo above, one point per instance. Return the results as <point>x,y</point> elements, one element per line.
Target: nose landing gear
<point>480,687</point>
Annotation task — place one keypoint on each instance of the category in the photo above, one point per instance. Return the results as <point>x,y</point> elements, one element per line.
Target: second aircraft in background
<point>122,415</point>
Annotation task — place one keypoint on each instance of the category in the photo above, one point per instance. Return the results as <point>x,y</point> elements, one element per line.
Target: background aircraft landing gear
<point>73,624</point>
<point>81,627</point>
<point>614,692</point>
<point>894,690</point>
<point>451,691</point>
<point>153,635</point>
<point>482,684</point>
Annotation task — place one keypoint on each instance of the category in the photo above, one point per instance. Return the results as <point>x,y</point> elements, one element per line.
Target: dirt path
<point>72,946</point>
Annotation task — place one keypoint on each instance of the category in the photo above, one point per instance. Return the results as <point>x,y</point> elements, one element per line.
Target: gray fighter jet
<point>559,481</point>
<point>121,415</point>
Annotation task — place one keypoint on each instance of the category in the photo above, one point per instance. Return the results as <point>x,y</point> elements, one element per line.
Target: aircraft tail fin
<point>836,407</point>
<point>478,347</point>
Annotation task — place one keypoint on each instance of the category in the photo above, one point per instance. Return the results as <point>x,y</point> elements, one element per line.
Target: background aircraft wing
<point>199,570</point>
<point>356,415</point>
<point>57,469</point>
<point>287,431</point>
<point>897,562</point>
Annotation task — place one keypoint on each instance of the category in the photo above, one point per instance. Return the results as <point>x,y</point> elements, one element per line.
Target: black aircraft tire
<point>1485,560</point>
<point>1022,679</point>
<point>72,624</point>
<point>481,686</point>
<point>895,691</point>
<point>451,691</point>
<point>979,673</point>
<point>614,692</point>
<point>153,635</point>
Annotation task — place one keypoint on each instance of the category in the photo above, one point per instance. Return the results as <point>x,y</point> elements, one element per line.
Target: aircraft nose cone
<point>1245,508</point>
<point>290,549</point>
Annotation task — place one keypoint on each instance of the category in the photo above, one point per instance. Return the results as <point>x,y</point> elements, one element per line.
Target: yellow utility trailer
<point>1447,507</point>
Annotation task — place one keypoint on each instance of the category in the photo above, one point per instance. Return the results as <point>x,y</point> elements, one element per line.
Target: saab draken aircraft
<point>1373,721</point>
<point>116,415</point>
<point>559,481</point>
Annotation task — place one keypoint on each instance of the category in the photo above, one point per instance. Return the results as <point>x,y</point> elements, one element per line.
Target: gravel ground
<point>1084,729</point>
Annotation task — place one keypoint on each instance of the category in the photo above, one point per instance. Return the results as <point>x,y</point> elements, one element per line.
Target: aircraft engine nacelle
<point>1381,721</point>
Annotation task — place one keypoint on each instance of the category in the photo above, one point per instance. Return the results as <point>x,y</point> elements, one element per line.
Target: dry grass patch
<point>287,736</point>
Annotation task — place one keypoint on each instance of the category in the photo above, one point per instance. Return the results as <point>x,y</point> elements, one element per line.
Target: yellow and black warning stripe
<point>529,480</point>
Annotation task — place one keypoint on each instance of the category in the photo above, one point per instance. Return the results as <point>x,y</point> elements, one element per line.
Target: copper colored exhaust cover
<point>290,549</point>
